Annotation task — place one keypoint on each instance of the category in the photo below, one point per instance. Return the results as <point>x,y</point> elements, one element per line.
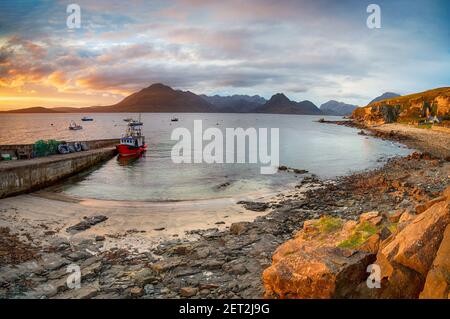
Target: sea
<point>325,150</point>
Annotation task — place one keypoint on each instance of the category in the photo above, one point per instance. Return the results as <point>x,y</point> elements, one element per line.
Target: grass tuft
<point>359,236</point>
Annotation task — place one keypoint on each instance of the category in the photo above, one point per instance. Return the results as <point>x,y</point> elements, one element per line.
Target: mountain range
<point>235,103</point>
<point>162,98</point>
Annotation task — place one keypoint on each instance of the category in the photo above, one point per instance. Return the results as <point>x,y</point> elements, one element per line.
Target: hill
<point>158,98</point>
<point>36,109</point>
<point>409,108</point>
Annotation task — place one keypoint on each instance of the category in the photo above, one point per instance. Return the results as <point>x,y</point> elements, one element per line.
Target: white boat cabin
<point>135,141</point>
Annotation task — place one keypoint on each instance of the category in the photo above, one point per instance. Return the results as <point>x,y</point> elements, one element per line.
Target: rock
<point>254,206</point>
<point>282,168</point>
<point>239,228</point>
<point>86,223</point>
<point>213,264</point>
<point>204,292</point>
<point>405,219</point>
<point>144,276</point>
<point>437,283</point>
<point>373,242</point>
<point>322,273</point>
<point>86,291</point>
<point>181,249</point>
<point>446,193</point>
<point>149,289</point>
<point>406,258</point>
<point>99,238</point>
<point>159,229</point>
<point>299,171</point>
<point>394,216</point>
<point>136,292</point>
<point>188,291</point>
<point>423,207</point>
<point>235,269</point>
<point>369,216</point>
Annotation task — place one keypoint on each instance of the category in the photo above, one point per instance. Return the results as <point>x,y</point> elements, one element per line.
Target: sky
<point>309,50</point>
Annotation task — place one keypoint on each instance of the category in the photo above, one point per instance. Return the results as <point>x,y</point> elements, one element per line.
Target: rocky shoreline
<point>220,263</point>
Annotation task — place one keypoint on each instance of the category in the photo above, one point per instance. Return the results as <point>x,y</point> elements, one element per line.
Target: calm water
<point>323,149</point>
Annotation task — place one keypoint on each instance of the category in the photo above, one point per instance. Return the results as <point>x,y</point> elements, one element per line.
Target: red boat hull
<point>126,150</point>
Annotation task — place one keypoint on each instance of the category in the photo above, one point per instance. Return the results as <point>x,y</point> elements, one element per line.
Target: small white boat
<point>74,126</point>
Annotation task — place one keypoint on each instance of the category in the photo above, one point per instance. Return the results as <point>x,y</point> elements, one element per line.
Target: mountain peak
<point>385,95</point>
<point>279,98</point>
<point>159,86</point>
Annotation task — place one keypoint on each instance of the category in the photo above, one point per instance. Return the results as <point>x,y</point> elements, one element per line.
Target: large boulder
<point>327,272</point>
<point>406,258</point>
<point>437,283</point>
<point>313,265</point>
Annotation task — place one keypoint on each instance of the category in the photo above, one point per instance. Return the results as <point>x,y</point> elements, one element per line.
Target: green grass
<point>359,236</point>
<point>328,224</point>
<point>425,126</point>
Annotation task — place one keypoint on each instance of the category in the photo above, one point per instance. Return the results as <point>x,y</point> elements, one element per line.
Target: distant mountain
<point>235,103</point>
<point>162,98</point>
<point>158,98</point>
<point>333,107</point>
<point>36,109</point>
<point>280,104</point>
<point>386,95</point>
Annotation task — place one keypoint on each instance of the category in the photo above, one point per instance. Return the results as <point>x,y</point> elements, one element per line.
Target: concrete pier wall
<point>27,175</point>
<point>27,149</point>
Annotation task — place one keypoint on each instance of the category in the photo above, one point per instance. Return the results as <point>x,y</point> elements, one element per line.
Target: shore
<point>119,257</point>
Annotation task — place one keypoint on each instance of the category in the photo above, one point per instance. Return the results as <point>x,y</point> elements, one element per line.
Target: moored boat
<point>174,119</point>
<point>133,142</point>
<point>74,126</point>
<point>86,118</point>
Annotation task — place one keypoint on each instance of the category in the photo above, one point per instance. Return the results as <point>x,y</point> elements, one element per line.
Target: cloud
<point>312,50</point>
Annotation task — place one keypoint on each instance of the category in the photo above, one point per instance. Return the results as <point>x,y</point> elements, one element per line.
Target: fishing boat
<point>133,142</point>
<point>74,126</point>
<point>86,118</point>
<point>174,119</point>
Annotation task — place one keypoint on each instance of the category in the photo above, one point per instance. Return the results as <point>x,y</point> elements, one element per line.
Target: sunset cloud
<point>316,50</point>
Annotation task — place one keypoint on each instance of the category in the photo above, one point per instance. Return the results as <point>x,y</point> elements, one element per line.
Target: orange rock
<point>405,258</point>
<point>423,207</point>
<point>446,193</point>
<point>322,273</point>
<point>437,284</point>
<point>367,217</point>
<point>394,216</point>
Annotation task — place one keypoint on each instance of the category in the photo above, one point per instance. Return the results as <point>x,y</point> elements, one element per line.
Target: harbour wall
<point>26,150</point>
<point>22,176</point>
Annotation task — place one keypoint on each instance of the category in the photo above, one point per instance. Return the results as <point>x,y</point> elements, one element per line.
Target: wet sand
<point>131,225</point>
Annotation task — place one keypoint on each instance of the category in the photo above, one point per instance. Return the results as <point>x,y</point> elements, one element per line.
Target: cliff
<point>407,109</point>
